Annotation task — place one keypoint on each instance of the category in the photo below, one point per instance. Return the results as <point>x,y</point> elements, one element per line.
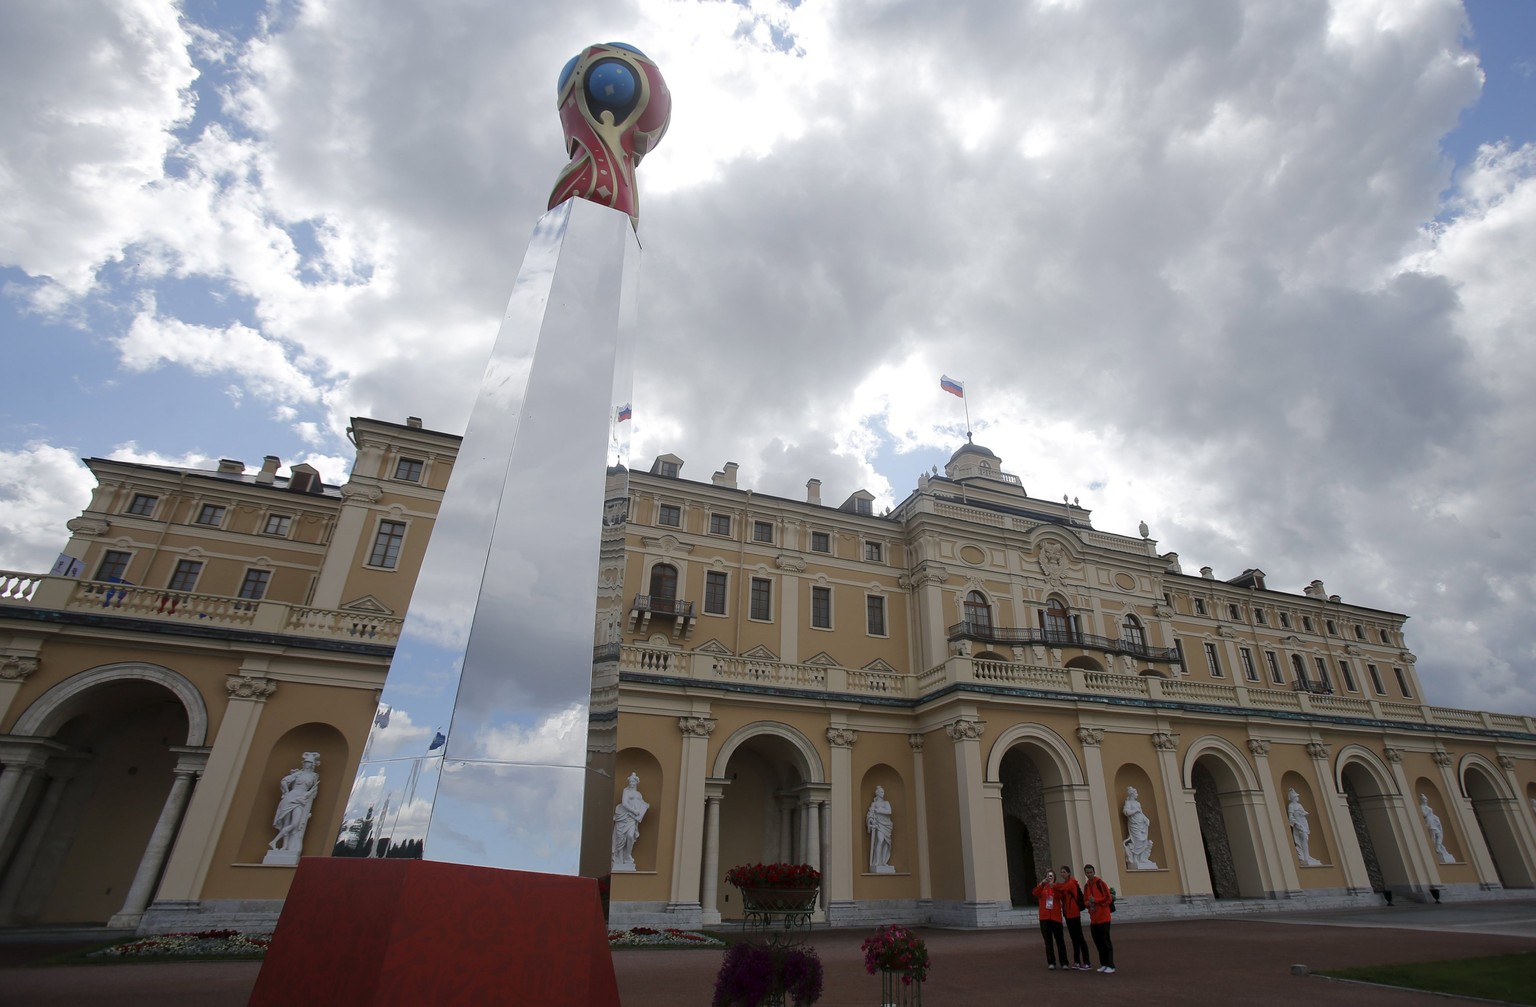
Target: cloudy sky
<point>1258,273</point>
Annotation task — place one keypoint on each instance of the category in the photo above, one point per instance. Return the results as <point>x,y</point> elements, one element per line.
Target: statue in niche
<point>1138,845</point>
<point>1301,831</point>
<point>1436,830</point>
<point>878,822</point>
<point>627,815</point>
<point>296,798</point>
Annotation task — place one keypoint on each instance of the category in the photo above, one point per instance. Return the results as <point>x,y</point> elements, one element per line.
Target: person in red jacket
<point>1050,921</point>
<point>1071,914</point>
<point>1099,900</point>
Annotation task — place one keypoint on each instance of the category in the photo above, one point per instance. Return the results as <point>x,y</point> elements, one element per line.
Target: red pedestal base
<point>382,933</point>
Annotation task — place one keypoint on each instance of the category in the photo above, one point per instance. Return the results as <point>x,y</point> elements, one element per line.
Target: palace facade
<point>1003,671</point>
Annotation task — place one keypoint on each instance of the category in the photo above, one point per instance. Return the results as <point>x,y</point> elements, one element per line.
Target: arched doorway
<point>774,806</point>
<point>1371,805</point>
<point>1038,785</point>
<point>102,746</point>
<point>1226,805</point>
<point>1492,811</point>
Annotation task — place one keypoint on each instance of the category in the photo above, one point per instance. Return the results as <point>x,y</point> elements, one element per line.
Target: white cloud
<point>41,488</point>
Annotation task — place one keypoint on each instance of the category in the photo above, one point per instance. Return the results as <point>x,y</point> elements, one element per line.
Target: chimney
<point>1205,572</point>
<point>1315,590</point>
<point>1172,559</point>
<point>727,477</point>
<point>268,471</point>
<point>230,467</point>
<point>414,422</point>
<point>813,491</point>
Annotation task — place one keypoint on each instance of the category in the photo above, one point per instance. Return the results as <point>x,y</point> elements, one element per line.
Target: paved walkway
<point>1237,960</point>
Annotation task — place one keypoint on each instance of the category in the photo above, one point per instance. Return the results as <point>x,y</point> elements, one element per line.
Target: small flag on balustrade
<point>952,386</point>
<point>625,412</point>
<point>382,717</point>
<point>438,741</point>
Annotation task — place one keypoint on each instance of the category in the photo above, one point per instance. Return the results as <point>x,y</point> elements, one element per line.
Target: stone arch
<point>810,764</point>
<point>1493,806</point>
<point>1085,662</point>
<point>50,710</point>
<point>1041,785</point>
<point>1044,737</point>
<point>1229,805</point>
<point>1364,756</point>
<point>1376,812</point>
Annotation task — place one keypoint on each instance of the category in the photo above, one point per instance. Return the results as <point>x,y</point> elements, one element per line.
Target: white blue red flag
<point>952,386</point>
<point>625,412</point>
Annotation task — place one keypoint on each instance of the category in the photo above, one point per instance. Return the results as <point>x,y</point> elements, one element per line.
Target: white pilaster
<point>152,862</point>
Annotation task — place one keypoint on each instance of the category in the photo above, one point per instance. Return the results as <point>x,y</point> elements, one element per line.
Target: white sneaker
<point>1107,971</point>
<point>1103,968</point>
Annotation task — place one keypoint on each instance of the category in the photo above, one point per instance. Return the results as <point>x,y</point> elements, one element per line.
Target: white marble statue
<point>1301,831</point>
<point>877,820</point>
<point>1138,846</point>
<point>1436,830</point>
<point>627,815</point>
<point>296,798</point>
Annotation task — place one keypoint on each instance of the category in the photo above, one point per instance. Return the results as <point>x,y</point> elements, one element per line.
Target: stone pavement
<point>1233,960</point>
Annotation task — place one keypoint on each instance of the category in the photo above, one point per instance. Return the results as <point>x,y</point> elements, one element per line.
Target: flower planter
<point>899,989</point>
<point>779,900</point>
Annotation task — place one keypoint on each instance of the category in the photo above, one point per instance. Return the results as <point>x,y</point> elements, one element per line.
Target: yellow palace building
<point>1024,690</point>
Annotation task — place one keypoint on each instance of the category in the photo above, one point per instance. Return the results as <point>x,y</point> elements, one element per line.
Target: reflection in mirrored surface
<point>483,725</point>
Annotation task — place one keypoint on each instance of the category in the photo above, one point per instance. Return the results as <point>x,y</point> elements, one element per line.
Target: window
<point>114,566</point>
<point>670,515</point>
<point>874,552</point>
<point>185,577</point>
<point>1274,667</point>
<point>1375,679</point>
<point>408,470</point>
<point>1132,633</point>
<point>386,544</point>
<point>1359,632</point>
<point>1322,673</point>
<point>663,587</point>
<point>1211,659</point>
<point>211,514</point>
<point>1199,606</point>
<point>1402,683</point>
<point>762,531</point>
<point>1285,620</point>
<point>762,599</point>
<point>714,593</point>
<point>821,542</point>
<point>1385,638</point>
<point>1056,621</point>
<point>1178,645</point>
<point>1332,629</point>
<point>667,469</point>
<point>863,506</point>
<point>1347,675</point>
<point>1259,617</point>
<point>1250,672</point>
<point>1299,668</point>
<point>1306,623</point>
<point>1233,613</point>
<point>719,524</point>
<point>874,611</point>
<point>278,524</point>
<point>143,504</point>
<point>978,612</point>
<point>254,587</point>
<point>821,607</point>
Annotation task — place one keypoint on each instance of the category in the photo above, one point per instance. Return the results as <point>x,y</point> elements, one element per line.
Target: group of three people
<point>1062,902</point>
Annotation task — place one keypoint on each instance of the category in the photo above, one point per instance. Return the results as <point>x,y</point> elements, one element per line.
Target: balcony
<point>1315,688</point>
<point>40,592</point>
<point>1060,638</point>
<point>646,607</point>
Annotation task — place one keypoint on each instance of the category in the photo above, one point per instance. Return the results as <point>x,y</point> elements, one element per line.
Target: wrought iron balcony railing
<point>663,606</point>
<point>1059,638</point>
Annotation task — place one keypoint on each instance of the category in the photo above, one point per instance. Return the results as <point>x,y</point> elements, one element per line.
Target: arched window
<point>978,613</point>
<point>663,587</point>
<point>1300,668</point>
<point>1132,633</point>
<point>1057,621</point>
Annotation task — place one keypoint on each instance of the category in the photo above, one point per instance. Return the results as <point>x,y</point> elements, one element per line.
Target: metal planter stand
<point>895,992</point>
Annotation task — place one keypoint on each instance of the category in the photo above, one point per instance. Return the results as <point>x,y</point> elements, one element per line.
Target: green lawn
<point>1511,978</point>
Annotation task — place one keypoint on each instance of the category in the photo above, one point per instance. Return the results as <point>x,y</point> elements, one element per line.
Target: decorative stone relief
<point>1436,830</point>
<point>1258,746</point>
<point>915,742</point>
<point>1226,632</point>
<point>1163,741</point>
<point>1318,750</point>
<point>880,826</point>
<point>1442,759</point>
<point>696,727</point>
<point>296,797</point>
<point>627,815</point>
<point>1092,737</point>
<point>17,669</point>
<point>1301,831</point>
<point>1507,763</point>
<point>1053,561</point>
<point>930,573</point>
<point>351,491</point>
<point>842,737</point>
<point>794,564</point>
<point>249,687</point>
<point>1138,845</point>
<point>1394,755</point>
<point>965,730</point>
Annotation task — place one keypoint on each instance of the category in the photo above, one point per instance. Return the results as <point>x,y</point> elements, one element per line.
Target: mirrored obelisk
<point>499,709</point>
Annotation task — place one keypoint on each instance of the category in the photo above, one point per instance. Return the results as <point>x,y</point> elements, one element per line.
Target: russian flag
<point>625,412</point>
<point>952,386</point>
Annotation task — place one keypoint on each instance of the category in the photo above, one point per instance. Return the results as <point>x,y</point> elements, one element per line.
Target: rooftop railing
<point>987,633</point>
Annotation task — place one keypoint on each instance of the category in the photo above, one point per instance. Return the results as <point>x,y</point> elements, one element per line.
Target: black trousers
<point>1050,930</point>
<point>1079,946</point>
<point>1101,941</point>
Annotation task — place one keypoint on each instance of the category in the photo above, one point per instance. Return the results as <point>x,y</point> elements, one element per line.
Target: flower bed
<point>666,937</point>
<point>203,944</point>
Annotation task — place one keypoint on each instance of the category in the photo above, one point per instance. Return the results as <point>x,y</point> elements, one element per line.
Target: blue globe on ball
<point>612,87</point>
